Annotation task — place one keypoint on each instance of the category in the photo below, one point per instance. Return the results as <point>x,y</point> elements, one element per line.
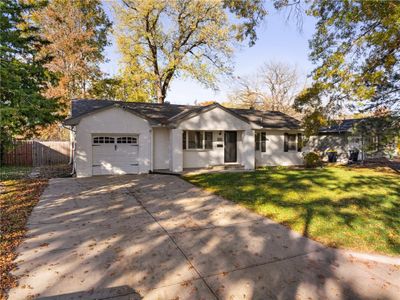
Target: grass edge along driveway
<point>340,207</point>
<point>18,196</point>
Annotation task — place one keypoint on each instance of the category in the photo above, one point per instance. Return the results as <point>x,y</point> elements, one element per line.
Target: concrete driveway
<point>159,237</point>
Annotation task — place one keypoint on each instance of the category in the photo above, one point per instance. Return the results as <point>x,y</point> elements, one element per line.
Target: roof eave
<point>176,120</point>
<point>283,128</point>
<point>75,121</point>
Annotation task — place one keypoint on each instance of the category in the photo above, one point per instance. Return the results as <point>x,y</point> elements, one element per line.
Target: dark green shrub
<point>312,160</point>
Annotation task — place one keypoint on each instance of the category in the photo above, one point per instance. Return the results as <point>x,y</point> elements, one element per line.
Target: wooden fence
<point>37,153</point>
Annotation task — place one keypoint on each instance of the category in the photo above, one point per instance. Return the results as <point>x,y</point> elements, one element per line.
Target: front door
<point>230,141</point>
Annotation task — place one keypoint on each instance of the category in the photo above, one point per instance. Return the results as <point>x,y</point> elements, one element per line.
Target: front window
<point>292,142</point>
<point>197,140</point>
<point>257,141</point>
<point>261,141</point>
<point>184,142</point>
<point>208,139</point>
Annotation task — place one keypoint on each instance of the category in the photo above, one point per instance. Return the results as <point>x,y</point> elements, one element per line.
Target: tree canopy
<point>77,33</point>
<point>23,75</point>
<point>355,49</point>
<point>160,40</point>
<point>273,87</point>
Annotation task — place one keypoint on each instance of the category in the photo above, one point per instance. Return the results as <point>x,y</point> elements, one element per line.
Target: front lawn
<point>18,196</point>
<point>13,172</point>
<point>357,209</point>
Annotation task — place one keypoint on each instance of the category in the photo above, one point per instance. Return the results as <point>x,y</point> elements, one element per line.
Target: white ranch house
<point>113,137</point>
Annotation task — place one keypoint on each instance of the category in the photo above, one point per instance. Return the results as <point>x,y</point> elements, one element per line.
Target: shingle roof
<point>159,113</point>
<point>269,119</point>
<point>165,113</point>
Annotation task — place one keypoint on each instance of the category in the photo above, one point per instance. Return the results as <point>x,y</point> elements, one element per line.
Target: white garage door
<point>115,154</point>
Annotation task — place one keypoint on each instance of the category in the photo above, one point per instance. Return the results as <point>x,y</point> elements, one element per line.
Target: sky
<point>278,40</point>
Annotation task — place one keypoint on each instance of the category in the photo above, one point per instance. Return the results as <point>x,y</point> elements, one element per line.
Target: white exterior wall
<point>218,121</point>
<point>208,157</point>
<point>249,150</point>
<point>215,119</point>
<point>110,121</point>
<point>161,148</point>
<point>275,155</point>
<point>175,150</point>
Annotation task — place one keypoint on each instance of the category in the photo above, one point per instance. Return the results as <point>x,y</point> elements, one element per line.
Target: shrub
<point>312,160</point>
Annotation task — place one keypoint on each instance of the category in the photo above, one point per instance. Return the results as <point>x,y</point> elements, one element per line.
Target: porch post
<point>249,150</point>
<point>175,151</point>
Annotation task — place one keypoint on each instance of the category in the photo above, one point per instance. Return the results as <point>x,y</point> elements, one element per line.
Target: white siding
<point>207,157</point>
<point>248,150</point>
<point>197,158</point>
<point>216,120</point>
<point>275,155</point>
<point>161,148</point>
<point>176,151</point>
<point>110,121</point>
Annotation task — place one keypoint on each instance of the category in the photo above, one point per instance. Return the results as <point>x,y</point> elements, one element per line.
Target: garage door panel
<point>127,150</point>
<point>116,157</point>
<point>109,169</point>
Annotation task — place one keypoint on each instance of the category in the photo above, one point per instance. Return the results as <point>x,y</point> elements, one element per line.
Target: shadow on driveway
<point>160,237</point>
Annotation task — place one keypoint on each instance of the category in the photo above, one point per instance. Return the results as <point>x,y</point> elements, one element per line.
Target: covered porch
<point>211,137</point>
<point>211,149</point>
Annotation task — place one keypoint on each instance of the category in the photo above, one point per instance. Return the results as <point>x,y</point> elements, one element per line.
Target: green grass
<point>356,209</point>
<point>14,172</point>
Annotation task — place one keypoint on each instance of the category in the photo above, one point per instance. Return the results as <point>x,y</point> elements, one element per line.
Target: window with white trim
<point>293,142</point>
<point>208,139</point>
<point>261,141</point>
<point>257,137</point>
<point>292,145</point>
<point>197,140</point>
<point>184,140</point>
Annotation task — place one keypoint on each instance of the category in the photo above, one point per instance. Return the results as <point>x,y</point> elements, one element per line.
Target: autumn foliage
<point>17,200</point>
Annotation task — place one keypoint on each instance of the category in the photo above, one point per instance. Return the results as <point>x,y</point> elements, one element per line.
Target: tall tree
<point>77,32</point>
<point>23,75</point>
<point>163,39</point>
<point>251,13</point>
<point>246,92</point>
<point>281,83</point>
<point>273,87</point>
<point>106,88</point>
<point>356,50</point>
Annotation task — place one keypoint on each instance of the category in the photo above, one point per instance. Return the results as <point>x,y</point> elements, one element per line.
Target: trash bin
<point>354,155</point>
<point>332,156</point>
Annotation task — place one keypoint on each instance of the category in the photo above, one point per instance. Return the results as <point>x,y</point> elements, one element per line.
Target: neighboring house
<point>345,136</point>
<point>114,137</point>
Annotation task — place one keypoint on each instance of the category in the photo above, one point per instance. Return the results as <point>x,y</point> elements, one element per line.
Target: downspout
<point>72,149</point>
<point>151,131</point>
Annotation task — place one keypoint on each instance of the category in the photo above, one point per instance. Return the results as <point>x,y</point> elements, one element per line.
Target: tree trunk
<point>159,94</point>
